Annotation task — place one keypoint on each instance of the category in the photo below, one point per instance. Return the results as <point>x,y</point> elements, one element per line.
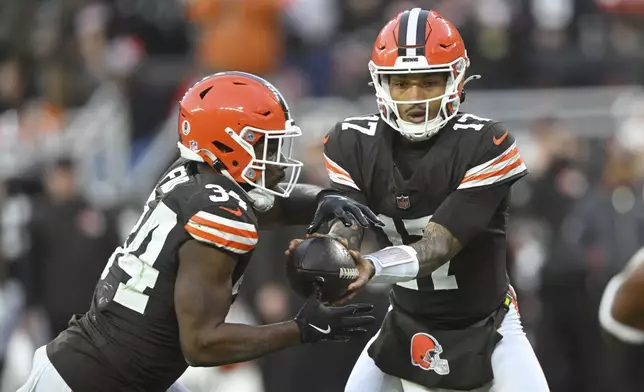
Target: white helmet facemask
<point>449,101</point>
<point>254,174</point>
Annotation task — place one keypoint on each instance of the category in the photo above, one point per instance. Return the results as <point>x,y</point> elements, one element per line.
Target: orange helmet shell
<point>216,109</point>
<point>429,35</point>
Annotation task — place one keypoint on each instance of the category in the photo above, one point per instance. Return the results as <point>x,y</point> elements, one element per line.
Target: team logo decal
<point>425,353</point>
<point>185,127</point>
<point>403,202</point>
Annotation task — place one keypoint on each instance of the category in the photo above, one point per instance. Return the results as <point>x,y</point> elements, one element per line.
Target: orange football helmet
<point>425,353</point>
<point>419,41</point>
<point>223,116</point>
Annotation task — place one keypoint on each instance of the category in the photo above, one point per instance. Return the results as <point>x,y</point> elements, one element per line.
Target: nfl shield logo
<point>403,202</point>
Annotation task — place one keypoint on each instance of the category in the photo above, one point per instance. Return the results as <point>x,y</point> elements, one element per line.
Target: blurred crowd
<point>575,222</point>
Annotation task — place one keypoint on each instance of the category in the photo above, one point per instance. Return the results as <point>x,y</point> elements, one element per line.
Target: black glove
<point>331,323</point>
<point>347,210</point>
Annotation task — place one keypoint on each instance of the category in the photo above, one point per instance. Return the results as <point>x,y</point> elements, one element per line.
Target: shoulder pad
<point>363,124</point>
<point>341,146</point>
<point>215,212</point>
<point>467,121</point>
<point>494,158</point>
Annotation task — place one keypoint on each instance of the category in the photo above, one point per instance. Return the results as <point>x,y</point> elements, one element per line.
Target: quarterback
<point>440,180</point>
<point>161,301</point>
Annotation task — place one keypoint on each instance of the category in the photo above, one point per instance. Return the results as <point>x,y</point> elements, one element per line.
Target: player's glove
<point>332,205</point>
<point>331,323</point>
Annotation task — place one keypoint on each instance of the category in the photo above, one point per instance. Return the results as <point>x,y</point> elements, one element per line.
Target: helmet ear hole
<point>222,147</point>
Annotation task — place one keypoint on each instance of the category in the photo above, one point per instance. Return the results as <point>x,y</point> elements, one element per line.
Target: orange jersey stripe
<point>500,172</point>
<point>223,242</point>
<point>511,154</point>
<point>224,228</point>
<point>337,170</point>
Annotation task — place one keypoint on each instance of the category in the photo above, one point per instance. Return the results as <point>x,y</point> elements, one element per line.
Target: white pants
<point>514,365</point>
<point>45,378</point>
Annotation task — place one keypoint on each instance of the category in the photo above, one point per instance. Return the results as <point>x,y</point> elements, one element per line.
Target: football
<point>325,260</point>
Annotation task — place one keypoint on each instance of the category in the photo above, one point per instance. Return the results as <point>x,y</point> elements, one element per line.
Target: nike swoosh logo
<point>324,331</point>
<point>236,212</point>
<point>501,139</point>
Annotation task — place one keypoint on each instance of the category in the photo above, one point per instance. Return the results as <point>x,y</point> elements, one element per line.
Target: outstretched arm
<point>621,312</point>
<point>314,205</point>
<point>202,299</point>
<point>297,209</point>
<point>435,248</point>
<point>462,216</point>
<point>203,292</point>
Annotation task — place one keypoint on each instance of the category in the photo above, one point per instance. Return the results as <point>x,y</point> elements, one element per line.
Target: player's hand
<point>349,211</point>
<point>365,267</point>
<point>366,271</point>
<point>331,323</point>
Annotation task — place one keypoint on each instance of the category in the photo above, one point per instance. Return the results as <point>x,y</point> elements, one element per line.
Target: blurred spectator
<point>71,243</point>
<point>243,35</point>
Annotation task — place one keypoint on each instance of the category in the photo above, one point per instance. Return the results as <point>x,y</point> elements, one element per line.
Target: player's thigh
<point>366,376</point>
<point>43,376</point>
<point>514,363</point>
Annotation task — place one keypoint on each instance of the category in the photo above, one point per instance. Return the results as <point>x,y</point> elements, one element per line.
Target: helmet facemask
<point>276,153</point>
<point>449,100</point>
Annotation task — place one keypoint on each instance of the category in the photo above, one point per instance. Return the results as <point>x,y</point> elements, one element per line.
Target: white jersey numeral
<point>220,195</point>
<point>143,245</point>
<point>441,278</point>
<point>150,234</point>
<point>174,178</point>
<point>470,121</point>
<point>370,129</point>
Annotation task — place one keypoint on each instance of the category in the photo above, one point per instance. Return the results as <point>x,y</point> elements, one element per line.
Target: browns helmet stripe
<point>402,32</point>
<point>421,32</point>
<point>408,32</point>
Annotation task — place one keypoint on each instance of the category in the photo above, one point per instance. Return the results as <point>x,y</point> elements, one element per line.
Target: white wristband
<point>621,331</point>
<point>394,264</point>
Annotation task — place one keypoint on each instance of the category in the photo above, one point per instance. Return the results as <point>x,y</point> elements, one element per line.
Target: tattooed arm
<point>435,248</point>
<point>462,216</point>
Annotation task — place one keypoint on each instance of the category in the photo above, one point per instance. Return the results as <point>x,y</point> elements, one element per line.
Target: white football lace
<point>348,273</point>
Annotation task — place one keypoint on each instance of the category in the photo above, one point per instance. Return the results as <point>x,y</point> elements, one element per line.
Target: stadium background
<point>88,94</point>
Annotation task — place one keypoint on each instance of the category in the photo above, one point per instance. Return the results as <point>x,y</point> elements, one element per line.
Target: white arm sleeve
<point>394,264</point>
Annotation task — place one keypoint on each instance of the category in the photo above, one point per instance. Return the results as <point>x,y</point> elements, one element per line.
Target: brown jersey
<point>406,184</point>
<point>129,339</point>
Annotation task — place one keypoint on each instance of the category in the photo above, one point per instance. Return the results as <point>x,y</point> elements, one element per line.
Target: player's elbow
<point>202,351</point>
<point>193,348</point>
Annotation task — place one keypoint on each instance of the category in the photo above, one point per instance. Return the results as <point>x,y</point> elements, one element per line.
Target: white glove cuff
<point>394,264</point>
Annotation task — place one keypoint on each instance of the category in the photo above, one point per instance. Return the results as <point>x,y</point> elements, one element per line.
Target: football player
<point>621,312</point>
<point>161,301</point>
<point>440,180</point>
